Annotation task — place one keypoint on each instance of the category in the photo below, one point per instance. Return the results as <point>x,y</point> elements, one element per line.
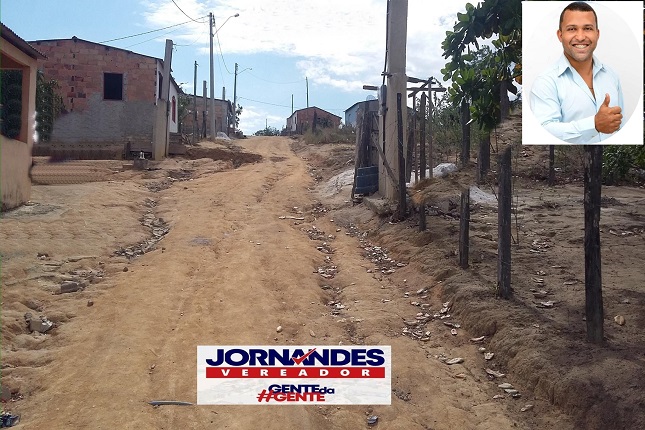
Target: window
<point>174,108</point>
<point>113,86</point>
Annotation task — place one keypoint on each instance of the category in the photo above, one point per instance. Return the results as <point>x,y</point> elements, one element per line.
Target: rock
<point>40,325</point>
<point>619,319</point>
<point>488,356</point>
<point>70,287</point>
<point>526,408</point>
<point>5,394</point>
<point>90,303</point>
<point>455,360</point>
<point>371,420</point>
<point>477,339</point>
<point>279,329</point>
<point>125,269</point>
<point>498,396</point>
<point>311,333</point>
<point>505,386</point>
<point>453,332</point>
<point>511,391</point>
<point>495,373</point>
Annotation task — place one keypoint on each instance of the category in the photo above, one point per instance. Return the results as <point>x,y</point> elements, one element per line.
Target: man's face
<point>579,35</point>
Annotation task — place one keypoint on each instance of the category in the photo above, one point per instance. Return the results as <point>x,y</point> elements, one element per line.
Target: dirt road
<point>228,271</point>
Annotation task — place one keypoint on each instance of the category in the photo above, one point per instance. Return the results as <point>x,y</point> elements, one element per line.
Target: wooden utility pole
<point>307,83</point>
<point>211,113</point>
<point>422,159</point>
<point>402,185</point>
<point>464,228</point>
<point>195,106</point>
<point>593,276</point>
<point>504,225</point>
<point>465,133</point>
<point>204,110</point>
<point>551,165</point>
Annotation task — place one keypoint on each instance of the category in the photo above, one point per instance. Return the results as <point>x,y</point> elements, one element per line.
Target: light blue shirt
<point>564,105</point>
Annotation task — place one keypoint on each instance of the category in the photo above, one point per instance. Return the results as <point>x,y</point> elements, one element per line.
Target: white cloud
<point>341,43</point>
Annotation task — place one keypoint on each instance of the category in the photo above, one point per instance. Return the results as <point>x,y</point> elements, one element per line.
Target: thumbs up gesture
<point>608,119</point>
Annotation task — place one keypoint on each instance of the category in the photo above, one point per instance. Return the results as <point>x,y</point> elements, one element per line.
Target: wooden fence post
<point>551,165</point>
<point>504,225</point>
<point>465,133</point>
<point>402,184</point>
<point>422,159</point>
<point>593,275</point>
<point>483,159</point>
<point>464,227</point>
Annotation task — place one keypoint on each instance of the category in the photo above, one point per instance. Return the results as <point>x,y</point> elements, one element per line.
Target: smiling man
<point>579,99</point>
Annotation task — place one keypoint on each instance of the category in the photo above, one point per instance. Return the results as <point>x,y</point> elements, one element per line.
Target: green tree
<point>49,104</point>
<point>481,79</point>
<point>268,131</point>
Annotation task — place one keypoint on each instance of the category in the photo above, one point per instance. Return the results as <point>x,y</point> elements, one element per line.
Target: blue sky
<point>338,45</point>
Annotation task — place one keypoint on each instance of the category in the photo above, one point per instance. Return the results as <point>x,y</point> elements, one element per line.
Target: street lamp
<point>235,90</point>
<point>211,21</point>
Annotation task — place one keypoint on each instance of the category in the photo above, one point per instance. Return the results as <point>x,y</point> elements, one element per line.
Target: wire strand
<point>173,1</point>
<point>148,32</point>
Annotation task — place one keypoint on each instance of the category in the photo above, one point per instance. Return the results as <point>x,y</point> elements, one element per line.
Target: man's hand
<point>608,119</point>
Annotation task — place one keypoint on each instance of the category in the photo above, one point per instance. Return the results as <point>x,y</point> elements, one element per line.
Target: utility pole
<point>211,113</point>
<point>291,104</point>
<point>195,106</point>
<point>235,97</point>
<point>307,82</point>
<point>396,79</point>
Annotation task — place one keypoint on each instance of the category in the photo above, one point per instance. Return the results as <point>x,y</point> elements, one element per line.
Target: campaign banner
<point>295,375</point>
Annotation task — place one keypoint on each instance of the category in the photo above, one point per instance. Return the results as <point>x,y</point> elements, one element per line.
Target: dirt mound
<point>235,156</point>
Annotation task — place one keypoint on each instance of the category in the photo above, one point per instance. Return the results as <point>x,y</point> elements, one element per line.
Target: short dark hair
<point>579,6</point>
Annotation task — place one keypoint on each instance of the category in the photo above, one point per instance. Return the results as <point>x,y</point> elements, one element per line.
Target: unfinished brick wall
<point>221,109</point>
<point>305,117</point>
<point>79,66</point>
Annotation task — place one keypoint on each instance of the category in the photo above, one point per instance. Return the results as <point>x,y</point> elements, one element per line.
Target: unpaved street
<point>229,271</point>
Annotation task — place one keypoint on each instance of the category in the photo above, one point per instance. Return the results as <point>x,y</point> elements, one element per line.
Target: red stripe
<point>295,372</point>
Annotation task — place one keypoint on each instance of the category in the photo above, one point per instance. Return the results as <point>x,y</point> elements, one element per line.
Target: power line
<point>148,32</point>
<point>173,1</point>
<point>221,54</point>
<point>264,103</point>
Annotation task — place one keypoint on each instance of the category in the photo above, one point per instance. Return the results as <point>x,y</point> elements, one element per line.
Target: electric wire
<point>173,1</point>
<point>277,83</point>
<point>147,32</point>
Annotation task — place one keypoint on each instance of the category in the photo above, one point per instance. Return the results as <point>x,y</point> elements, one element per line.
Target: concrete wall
<point>79,68</point>
<point>15,161</point>
<point>15,155</point>
<point>221,109</point>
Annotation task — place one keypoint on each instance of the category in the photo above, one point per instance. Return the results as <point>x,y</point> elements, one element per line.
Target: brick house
<point>224,118</point>
<point>303,119</point>
<point>111,96</point>
<point>20,58</point>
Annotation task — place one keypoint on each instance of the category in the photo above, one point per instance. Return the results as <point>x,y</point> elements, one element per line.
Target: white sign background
<point>244,391</point>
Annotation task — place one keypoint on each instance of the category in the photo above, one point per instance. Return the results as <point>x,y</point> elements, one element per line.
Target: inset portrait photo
<point>582,73</point>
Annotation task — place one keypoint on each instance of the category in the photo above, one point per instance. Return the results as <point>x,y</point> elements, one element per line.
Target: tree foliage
<point>617,160</point>
<point>268,131</point>
<point>49,104</point>
<point>481,77</point>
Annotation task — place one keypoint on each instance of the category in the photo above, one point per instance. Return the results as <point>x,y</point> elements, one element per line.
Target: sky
<point>337,45</point>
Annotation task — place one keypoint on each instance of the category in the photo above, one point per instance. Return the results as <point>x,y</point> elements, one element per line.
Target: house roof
<point>313,107</point>
<point>20,43</point>
<point>363,101</point>
<point>78,39</point>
